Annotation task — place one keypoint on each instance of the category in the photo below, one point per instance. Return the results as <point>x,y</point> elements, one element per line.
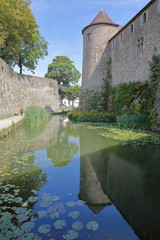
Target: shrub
<point>35,115</point>
<point>82,116</point>
<point>134,121</point>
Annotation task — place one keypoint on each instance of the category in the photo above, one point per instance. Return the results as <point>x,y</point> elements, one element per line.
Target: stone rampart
<point>133,47</point>
<point>20,91</point>
<point>129,50</point>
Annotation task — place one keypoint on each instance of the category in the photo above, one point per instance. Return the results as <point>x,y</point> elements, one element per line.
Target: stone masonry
<point>128,48</point>
<point>20,91</point>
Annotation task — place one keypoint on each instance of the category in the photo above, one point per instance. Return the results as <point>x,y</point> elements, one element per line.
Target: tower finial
<point>101,9</point>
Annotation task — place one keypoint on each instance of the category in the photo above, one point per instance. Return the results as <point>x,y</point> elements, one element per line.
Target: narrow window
<point>144,18</point>
<point>121,36</point>
<point>140,45</point>
<point>131,28</point>
<point>88,36</point>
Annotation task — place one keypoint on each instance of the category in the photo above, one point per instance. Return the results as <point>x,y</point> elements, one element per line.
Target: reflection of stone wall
<point>33,140</point>
<point>18,91</point>
<point>90,188</point>
<point>129,176</point>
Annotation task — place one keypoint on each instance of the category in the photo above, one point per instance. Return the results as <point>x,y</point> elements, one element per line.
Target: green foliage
<point>133,97</point>
<point>134,121</point>
<point>155,68</point>
<point>63,70</point>
<point>71,93</point>
<point>81,116</point>
<point>20,41</point>
<point>31,52</point>
<point>153,116</point>
<point>138,108</point>
<point>35,115</point>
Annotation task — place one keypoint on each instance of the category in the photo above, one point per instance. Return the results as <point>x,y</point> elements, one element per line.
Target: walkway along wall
<point>20,91</point>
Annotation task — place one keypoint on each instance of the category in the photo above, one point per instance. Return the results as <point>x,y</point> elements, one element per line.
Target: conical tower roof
<point>101,18</point>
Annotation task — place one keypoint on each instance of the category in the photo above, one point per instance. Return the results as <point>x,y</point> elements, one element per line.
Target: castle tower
<point>95,38</point>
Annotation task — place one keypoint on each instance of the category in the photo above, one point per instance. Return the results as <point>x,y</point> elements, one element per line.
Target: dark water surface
<point>101,190</point>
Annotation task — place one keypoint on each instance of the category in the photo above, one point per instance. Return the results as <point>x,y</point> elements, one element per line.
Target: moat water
<point>63,181</point>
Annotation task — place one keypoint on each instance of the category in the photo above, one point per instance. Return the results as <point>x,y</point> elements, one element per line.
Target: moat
<point>63,181</point>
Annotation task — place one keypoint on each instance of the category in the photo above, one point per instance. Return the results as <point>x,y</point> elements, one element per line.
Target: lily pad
<point>26,236</point>
<point>77,226</point>
<point>21,210</point>
<point>44,229</point>
<point>71,234</point>
<point>54,215</point>
<point>18,232</point>
<point>51,209</point>
<point>18,199</point>
<point>59,224</point>
<point>80,203</point>
<point>22,217</point>
<point>71,203</point>
<point>45,204</point>
<point>33,199</point>
<point>92,225</point>
<point>54,198</point>
<point>74,214</point>
<point>41,214</point>
<point>27,226</point>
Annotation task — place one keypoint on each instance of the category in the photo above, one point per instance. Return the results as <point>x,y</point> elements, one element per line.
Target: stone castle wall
<point>94,42</point>
<point>20,91</point>
<point>94,71</point>
<point>129,61</point>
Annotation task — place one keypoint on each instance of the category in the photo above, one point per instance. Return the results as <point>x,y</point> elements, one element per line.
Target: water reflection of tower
<point>90,188</point>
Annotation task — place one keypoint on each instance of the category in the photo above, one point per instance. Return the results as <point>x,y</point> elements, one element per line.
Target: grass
<point>134,121</point>
<point>35,115</point>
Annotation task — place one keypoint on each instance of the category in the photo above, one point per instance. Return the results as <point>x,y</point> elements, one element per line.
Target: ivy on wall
<point>127,98</point>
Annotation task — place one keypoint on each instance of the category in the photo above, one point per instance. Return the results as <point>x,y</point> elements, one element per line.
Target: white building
<point>67,103</point>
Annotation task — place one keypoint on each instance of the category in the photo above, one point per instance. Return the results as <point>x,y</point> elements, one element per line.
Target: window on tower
<point>131,28</point>
<point>140,46</point>
<point>88,36</point>
<point>144,17</point>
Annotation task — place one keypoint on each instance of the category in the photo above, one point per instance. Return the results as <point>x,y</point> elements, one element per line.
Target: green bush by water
<point>134,121</point>
<point>35,116</point>
<point>83,116</point>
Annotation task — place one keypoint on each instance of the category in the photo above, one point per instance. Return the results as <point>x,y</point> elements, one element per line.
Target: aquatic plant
<point>134,121</point>
<point>125,136</point>
<point>35,115</point>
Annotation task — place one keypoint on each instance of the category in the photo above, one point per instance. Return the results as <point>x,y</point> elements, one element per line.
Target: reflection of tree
<point>65,149</point>
<point>25,174</point>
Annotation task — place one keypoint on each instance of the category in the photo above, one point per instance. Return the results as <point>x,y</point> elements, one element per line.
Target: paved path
<point>7,122</point>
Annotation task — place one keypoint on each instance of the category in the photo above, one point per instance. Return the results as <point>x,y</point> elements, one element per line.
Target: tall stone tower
<point>95,38</point>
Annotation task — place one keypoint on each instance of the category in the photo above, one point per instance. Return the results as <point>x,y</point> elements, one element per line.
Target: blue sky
<point>61,23</point>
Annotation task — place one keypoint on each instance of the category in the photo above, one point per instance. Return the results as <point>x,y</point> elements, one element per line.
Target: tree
<point>30,53</point>
<point>73,92</point>
<point>63,70</point>
<point>19,35</point>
